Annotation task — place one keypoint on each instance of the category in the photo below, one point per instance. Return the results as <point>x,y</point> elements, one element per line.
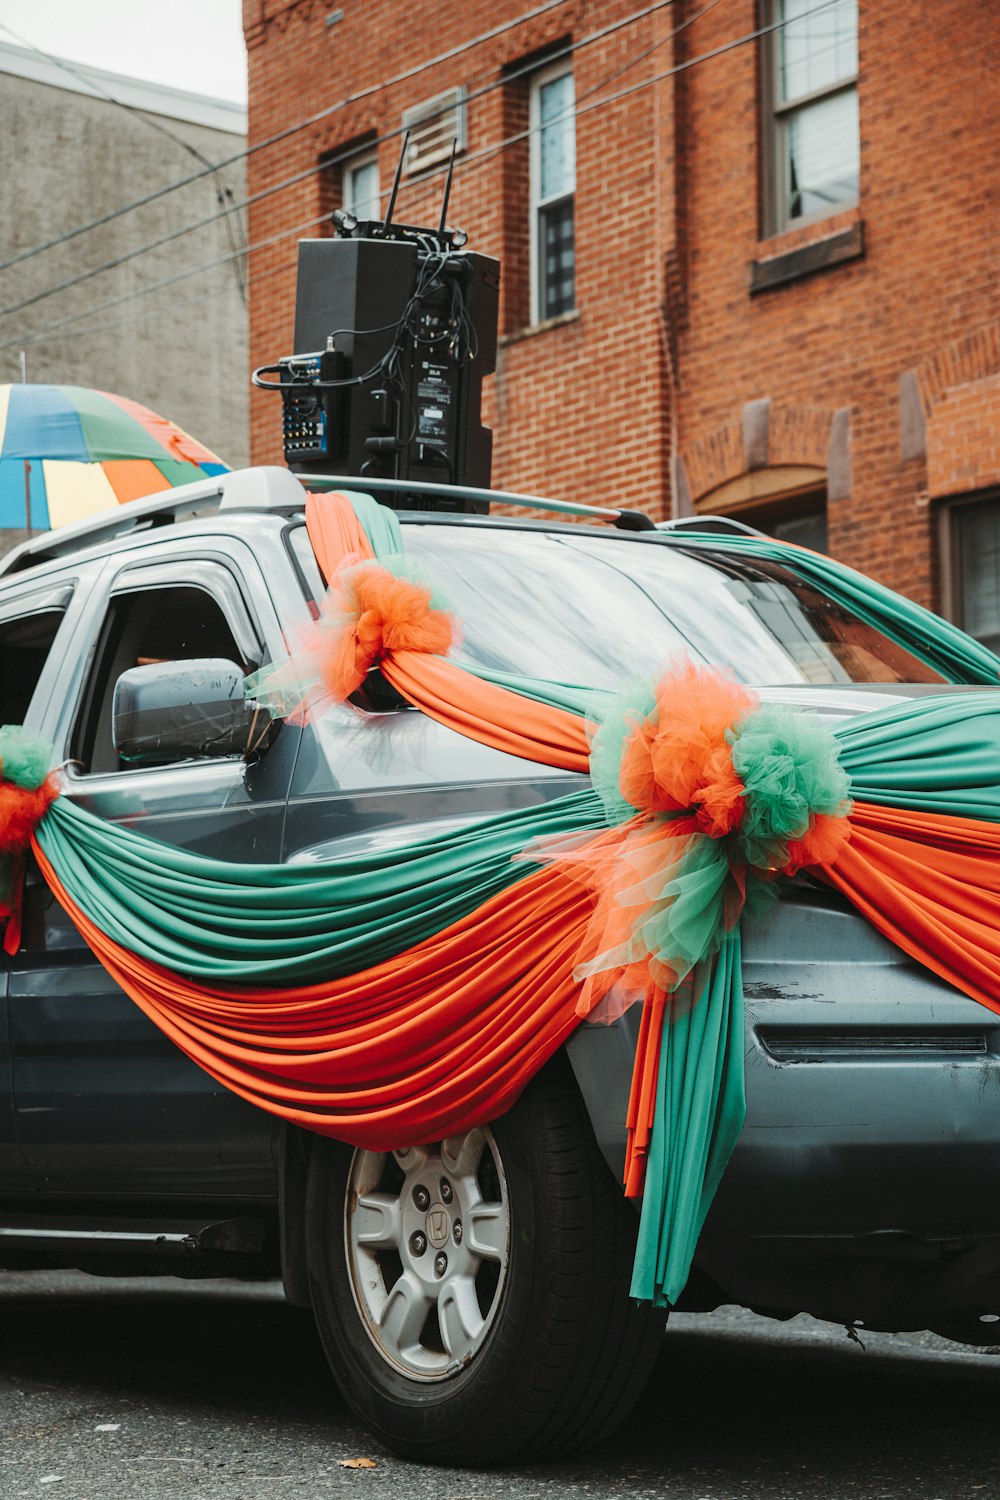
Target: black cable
<point>428,281</point>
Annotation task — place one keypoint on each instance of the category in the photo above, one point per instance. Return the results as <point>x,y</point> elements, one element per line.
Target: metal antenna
<point>395,185</point>
<point>447,184</point>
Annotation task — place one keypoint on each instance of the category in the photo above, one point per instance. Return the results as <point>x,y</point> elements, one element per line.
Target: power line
<point>312,170</point>
<point>222,192</point>
<point>175,234</point>
<point>469,161</point>
<point>170,308</point>
<point>289,130</point>
<point>67,67</point>
<point>159,286</point>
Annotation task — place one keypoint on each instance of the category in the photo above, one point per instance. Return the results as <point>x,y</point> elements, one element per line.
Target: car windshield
<point>590,610</point>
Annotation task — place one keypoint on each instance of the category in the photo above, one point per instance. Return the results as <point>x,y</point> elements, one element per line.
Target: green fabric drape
<point>700,1109</point>
<point>210,919</point>
<point>932,754</point>
<point>380,524</point>
<point>261,925</point>
<point>957,656</point>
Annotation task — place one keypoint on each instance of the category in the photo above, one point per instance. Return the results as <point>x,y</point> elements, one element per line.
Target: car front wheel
<point>472,1294</point>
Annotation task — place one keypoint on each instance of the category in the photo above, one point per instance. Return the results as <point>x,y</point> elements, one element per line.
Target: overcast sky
<point>188,44</point>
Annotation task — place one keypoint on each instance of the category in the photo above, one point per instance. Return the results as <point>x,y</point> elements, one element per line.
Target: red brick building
<point>749,248</point>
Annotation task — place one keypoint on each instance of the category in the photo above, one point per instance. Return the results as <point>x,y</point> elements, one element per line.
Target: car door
<point>104,1104</point>
<point>31,621</point>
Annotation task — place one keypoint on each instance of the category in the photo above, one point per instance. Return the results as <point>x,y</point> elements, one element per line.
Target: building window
<point>806,527</point>
<point>786,502</point>
<point>813,160</point>
<point>797,517</point>
<point>553,183</point>
<point>359,186</point>
<point>976,552</point>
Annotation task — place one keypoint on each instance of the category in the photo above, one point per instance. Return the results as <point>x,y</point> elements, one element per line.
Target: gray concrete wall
<point>68,158</point>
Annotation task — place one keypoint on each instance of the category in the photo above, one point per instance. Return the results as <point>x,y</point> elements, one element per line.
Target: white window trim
<point>367,158</point>
<point>535,202</point>
<point>776,112</point>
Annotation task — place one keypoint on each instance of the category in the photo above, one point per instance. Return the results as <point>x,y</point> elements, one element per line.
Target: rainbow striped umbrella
<point>67,452</point>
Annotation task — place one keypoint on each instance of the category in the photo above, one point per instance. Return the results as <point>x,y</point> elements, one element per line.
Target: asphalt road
<point>147,1389</point>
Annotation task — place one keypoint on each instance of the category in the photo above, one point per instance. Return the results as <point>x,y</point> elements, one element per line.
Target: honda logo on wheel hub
<point>438,1225</point>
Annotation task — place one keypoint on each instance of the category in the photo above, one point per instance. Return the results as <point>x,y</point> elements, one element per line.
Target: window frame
<point>214,576</point>
<point>54,597</point>
<point>536,204</point>
<point>367,157</point>
<point>776,113</point>
<point>953,584</point>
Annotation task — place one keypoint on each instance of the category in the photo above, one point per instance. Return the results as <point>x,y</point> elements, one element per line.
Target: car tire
<point>531,1345</point>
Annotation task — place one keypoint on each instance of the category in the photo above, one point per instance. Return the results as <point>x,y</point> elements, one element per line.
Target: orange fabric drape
<point>458,699</point>
<point>492,715</point>
<point>931,884</point>
<point>439,1039</point>
<point>642,1095</point>
<point>335,532</point>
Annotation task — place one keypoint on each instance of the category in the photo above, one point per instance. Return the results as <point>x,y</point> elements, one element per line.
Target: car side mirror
<point>182,710</point>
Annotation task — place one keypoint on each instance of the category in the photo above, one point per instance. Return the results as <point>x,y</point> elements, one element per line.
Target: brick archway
<point>806,443</point>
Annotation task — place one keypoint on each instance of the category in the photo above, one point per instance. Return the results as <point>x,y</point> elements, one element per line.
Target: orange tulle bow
<point>820,846</point>
<point>370,613</point>
<point>679,759</point>
<point>727,794</point>
<point>21,810</point>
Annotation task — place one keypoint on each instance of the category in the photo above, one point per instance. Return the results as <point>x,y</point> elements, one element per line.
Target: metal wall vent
<point>433,126</point>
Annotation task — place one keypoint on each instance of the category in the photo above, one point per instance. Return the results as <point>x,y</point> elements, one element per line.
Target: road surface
<point>156,1389</point>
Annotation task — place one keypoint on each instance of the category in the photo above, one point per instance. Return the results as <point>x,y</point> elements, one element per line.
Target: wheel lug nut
<point>421,1197</point>
<point>418,1243</point>
<point>457,1231</point>
<point>446,1193</point>
<point>440,1264</point>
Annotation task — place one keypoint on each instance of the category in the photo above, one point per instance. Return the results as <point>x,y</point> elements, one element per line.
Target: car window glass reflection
<point>594,610</point>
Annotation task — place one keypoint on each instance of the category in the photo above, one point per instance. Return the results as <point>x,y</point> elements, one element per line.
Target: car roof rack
<point>624,519</point>
<point>709,524</point>
<point>273,489</point>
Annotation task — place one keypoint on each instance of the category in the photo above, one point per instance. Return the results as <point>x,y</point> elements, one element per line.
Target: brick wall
<point>670,348</point>
<point>929,99</point>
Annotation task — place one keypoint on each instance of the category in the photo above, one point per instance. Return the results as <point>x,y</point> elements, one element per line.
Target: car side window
<point>142,626</point>
<point>24,648</point>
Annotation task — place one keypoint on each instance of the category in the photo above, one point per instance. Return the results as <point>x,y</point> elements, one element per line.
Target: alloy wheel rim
<point>427,1236</point>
